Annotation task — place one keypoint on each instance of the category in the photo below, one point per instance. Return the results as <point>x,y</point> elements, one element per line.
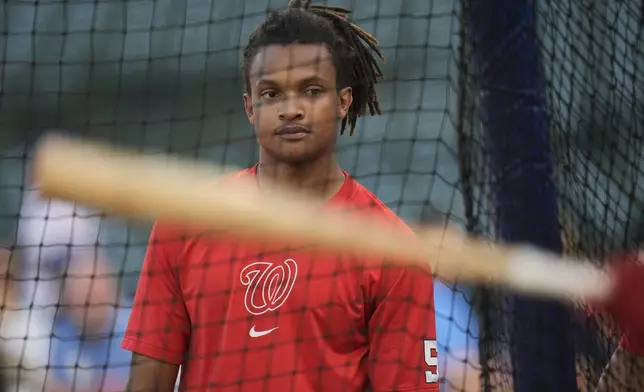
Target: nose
<point>291,110</point>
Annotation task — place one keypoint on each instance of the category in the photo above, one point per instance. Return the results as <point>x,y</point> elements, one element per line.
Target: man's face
<point>293,103</point>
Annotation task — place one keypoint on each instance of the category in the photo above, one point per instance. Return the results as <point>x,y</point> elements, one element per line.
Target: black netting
<point>165,76</point>
<point>590,55</point>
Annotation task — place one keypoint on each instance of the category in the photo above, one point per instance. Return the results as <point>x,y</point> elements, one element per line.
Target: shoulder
<point>365,200</point>
<point>175,236</point>
<point>34,206</point>
<point>168,236</point>
<point>45,221</point>
<point>171,227</point>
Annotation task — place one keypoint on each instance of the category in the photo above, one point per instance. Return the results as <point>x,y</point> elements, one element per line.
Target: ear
<point>345,99</point>
<point>248,106</point>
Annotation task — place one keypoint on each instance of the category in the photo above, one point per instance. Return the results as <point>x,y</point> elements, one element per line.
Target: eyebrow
<point>307,80</point>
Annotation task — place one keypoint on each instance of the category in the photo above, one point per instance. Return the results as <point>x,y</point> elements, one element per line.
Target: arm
<point>402,330</point>
<point>158,330</point>
<point>151,375</point>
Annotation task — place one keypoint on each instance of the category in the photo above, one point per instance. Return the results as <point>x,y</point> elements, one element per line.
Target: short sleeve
<point>159,327</point>
<point>402,330</point>
<point>634,348</point>
<point>47,228</point>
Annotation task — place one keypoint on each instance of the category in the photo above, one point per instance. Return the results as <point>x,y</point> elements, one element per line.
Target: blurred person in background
<point>86,353</point>
<point>67,286</point>
<point>24,340</point>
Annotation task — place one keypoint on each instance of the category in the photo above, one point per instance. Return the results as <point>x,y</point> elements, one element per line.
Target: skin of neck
<point>321,177</point>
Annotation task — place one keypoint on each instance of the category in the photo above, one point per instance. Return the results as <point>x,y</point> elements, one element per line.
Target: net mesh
<point>590,55</point>
<point>164,76</point>
<point>592,60</point>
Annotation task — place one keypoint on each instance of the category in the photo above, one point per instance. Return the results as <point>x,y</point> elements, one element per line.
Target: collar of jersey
<point>344,194</point>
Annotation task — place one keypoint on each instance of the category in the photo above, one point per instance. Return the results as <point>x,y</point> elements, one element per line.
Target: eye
<point>313,91</point>
<point>269,94</point>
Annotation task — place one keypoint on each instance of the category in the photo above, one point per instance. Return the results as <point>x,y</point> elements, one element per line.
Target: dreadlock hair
<point>353,50</point>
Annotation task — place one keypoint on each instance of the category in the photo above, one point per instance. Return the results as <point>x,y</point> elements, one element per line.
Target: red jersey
<point>240,316</point>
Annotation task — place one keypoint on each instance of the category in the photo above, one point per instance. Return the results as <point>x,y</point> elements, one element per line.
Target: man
<point>24,340</point>
<point>67,305</point>
<point>55,237</point>
<point>91,360</point>
<point>41,354</point>
<point>237,315</point>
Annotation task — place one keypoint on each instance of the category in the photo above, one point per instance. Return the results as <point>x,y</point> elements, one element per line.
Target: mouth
<point>293,132</point>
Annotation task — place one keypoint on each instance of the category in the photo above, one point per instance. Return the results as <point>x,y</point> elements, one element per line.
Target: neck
<point>321,177</point>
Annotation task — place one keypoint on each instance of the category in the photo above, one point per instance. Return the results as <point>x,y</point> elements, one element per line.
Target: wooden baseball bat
<point>151,187</point>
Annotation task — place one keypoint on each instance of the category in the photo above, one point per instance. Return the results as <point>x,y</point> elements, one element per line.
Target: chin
<point>296,159</point>
<point>294,156</point>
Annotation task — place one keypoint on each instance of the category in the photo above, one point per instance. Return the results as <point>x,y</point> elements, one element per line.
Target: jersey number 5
<point>430,350</point>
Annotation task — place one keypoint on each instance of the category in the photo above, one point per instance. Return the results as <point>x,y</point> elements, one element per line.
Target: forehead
<point>292,61</point>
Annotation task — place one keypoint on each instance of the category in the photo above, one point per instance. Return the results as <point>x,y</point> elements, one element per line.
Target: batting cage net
<point>551,154</point>
<point>516,120</point>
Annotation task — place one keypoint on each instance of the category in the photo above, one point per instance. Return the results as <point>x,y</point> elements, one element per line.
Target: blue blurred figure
<point>70,297</point>
<point>95,362</point>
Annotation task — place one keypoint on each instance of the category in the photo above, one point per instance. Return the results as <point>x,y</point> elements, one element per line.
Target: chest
<point>232,282</point>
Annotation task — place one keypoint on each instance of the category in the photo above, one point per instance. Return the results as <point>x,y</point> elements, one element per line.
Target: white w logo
<point>268,285</point>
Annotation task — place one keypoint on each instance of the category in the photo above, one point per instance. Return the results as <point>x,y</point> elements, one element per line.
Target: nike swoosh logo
<point>256,334</point>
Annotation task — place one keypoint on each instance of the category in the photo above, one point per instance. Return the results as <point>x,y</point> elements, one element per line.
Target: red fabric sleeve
<point>402,330</point>
<point>626,344</point>
<point>625,304</point>
<point>159,326</point>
